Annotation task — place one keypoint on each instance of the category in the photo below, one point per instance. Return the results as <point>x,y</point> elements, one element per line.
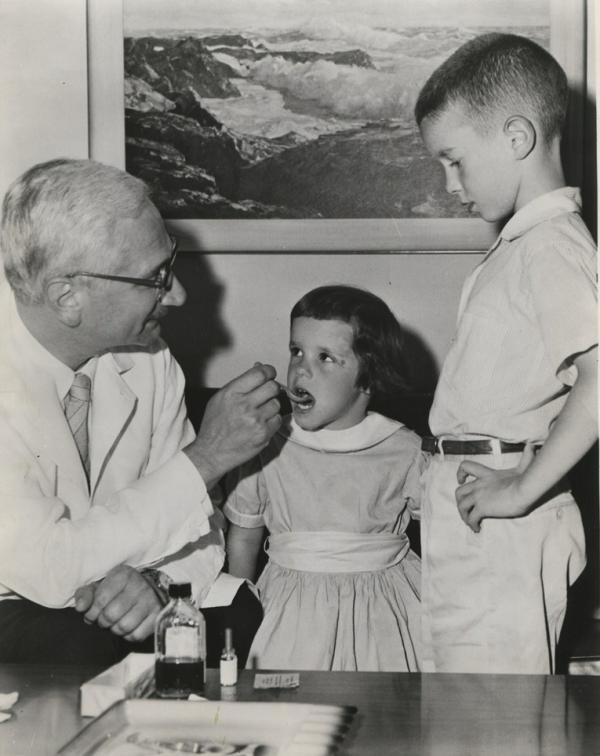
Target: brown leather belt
<point>469,446</point>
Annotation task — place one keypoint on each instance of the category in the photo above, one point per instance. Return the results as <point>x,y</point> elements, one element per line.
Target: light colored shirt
<point>525,312</point>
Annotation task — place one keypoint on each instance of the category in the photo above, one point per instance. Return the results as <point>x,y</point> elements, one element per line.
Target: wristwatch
<point>160,582</point>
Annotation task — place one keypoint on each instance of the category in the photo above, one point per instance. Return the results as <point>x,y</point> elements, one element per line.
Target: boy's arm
<point>243,545</point>
<point>514,492</point>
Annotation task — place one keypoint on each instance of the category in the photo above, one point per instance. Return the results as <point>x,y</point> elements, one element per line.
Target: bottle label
<point>228,671</point>
<point>182,641</point>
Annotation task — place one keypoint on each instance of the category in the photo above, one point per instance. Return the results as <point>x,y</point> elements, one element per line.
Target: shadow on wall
<point>422,365</point>
<point>195,332</point>
<point>579,155</point>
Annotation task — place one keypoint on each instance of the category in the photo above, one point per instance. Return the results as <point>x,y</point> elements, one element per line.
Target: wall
<point>43,84</point>
<point>238,304</point>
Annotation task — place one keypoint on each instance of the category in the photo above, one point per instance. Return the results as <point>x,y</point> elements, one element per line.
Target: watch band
<point>160,582</point>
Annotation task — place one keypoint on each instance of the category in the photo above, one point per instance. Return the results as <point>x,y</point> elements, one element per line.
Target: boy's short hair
<point>378,337</point>
<point>495,72</point>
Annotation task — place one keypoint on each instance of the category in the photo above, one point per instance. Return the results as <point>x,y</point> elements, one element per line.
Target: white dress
<point>341,590</point>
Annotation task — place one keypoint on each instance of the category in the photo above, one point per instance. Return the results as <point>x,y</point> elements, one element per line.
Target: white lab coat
<point>145,499</point>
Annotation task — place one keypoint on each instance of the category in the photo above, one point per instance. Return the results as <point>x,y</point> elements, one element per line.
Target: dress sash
<point>332,551</point>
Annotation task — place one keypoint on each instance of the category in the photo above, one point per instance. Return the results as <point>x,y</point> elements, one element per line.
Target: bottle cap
<point>180,590</point>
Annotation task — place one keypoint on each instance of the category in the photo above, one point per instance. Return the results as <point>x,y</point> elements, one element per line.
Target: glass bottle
<point>180,645</point>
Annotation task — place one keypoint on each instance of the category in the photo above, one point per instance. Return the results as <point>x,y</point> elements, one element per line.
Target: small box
<point>584,667</point>
<point>132,677</point>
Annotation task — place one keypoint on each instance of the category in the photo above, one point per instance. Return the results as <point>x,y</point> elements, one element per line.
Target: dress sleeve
<point>413,487</point>
<point>246,495</point>
<point>561,279</point>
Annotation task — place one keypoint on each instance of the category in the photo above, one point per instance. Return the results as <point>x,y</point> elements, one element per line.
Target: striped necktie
<point>77,404</point>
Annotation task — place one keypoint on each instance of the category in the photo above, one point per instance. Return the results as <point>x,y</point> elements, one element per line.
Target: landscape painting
<point>295,109</point>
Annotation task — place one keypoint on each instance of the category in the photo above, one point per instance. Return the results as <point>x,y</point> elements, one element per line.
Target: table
<point>398,713</point>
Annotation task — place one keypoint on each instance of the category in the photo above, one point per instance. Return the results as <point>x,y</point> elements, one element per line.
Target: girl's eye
<point>295,351</point>
<point>455,164</point>
<point>324,357</point>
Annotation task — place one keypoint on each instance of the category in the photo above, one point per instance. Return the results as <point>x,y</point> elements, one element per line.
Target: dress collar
<point>371,431</point>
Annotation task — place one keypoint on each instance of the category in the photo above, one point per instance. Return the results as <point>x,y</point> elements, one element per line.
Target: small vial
<point>180,645</point>
<point>228,665</point>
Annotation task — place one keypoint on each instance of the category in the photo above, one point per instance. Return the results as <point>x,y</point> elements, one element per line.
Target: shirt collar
<point>566,199</point>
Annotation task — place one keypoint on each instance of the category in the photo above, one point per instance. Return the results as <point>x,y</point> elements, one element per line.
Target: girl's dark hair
<point>378,338</point>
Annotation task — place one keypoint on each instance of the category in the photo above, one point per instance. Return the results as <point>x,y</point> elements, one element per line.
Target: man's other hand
<point>123,601</point>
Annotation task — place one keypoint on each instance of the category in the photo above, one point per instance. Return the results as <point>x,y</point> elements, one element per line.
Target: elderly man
<point>103,483</point>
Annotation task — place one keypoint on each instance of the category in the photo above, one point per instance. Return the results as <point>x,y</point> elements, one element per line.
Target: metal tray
<point>155,727</point>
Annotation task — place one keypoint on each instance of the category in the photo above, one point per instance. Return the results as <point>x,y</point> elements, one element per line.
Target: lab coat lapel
<point>56,436</point>
<point>113,405</point>
<point>42,424</point>
<point>40,419</point>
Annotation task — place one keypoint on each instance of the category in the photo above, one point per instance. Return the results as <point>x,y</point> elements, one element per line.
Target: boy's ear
<point>65,301</point>
<point>522,135</point>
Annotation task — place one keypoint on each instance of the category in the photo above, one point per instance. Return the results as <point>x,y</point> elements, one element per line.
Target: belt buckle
<point>439,443</point>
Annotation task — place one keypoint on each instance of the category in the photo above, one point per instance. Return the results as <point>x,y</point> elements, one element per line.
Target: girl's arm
<point>513,493</point>
<point>243,545</point>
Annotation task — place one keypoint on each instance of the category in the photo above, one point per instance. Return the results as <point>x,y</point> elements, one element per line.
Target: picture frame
<point>407,235</point>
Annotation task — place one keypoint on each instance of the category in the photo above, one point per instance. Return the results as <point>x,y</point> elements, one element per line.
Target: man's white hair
<point>60,217</point>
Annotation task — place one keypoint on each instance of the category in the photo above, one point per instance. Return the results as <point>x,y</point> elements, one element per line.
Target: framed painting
<point>264,125</point>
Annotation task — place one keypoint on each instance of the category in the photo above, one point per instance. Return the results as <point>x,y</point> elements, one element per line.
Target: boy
<point>515,407</point>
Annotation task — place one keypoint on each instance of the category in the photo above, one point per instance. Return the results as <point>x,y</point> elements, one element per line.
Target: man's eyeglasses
<point>161,281</point>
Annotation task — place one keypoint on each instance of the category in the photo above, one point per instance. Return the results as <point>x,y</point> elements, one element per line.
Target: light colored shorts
<point>494,601</point>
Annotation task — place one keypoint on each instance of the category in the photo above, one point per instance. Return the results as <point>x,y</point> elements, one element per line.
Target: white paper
<point>222,591</point>
<point>115,684</point>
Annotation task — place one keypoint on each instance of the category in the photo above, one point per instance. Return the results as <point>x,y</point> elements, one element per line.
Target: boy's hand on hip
<point>487,492</point>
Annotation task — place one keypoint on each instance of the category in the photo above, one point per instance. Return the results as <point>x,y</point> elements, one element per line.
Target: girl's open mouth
<point>301,398</point>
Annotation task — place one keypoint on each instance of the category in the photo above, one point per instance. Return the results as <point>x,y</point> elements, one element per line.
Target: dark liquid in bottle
<point>179,679</point>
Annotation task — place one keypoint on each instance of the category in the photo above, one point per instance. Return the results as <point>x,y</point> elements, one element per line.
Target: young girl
<point>335,488</point>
